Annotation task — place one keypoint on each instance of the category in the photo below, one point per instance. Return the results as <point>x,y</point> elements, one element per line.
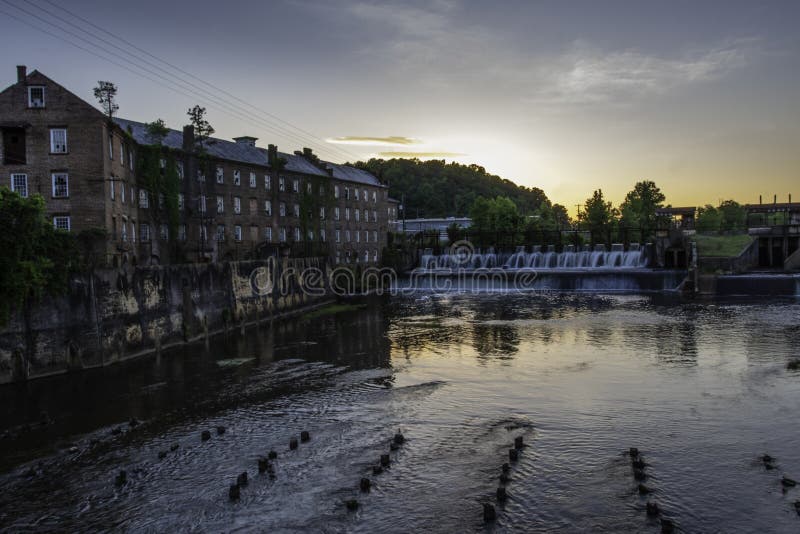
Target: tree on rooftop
<point>106,93</point>
<point>157,131</point>
<point>202,129</point>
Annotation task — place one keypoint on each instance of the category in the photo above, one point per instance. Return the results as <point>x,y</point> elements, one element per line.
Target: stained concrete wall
<point>116,314</point>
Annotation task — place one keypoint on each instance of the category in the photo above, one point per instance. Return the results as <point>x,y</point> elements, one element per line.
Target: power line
<point>219,103</point>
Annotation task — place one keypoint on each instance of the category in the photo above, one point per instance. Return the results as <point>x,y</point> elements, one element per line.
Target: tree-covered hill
<point>435,188</point>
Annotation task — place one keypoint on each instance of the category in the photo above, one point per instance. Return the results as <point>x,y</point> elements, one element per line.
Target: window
<point>366,236</point>
<point>203,233</point>
<point>366,193</point>
<point>14,152</point>
<point>374,216</point>
<point>347,236</point>
<point>162,164</point>
<point>181,232</point>
<point>310,235</point>
<point>336,191</point>
<point>308,188</point>
<point>322,234</point>
<point>374,236</point>
<point>253,233</point>
<point>19,183</point>
<point>201,177</point>
<point>296,210</point>
<point>267,182</point>
<point>133,232</point>
<point>220,204</point>
<point>366,216</point>
<point>220,232</point>
<point>179,169</point>
<point>297,235</point>
<point>268,208</point>
<point>220,175</point>
<point>122,193</point>
<point>375,254</point>
<point>281,184</point>
<point>355,196</point>
<point>237,205</point>
<point>237,232</point>
<point>347,193</point>
<point>336,213</point>
<point>338,236</point>
<point>237,177</point>
<point>61,222</point>
<point>202,206</point>
<point>111,189</point>
<point>60,185</point>
<point>347,214</point>
<point>358,214</point>
<point>252,179</point>
<point>122,154</point>
<point>111,147</point>
<point>58,140</point>
<point>322,190</point>
<point>374,197</point>
<point>358,236</point>
<point>322,212</point>
<point>338,257</point>
<point>144,199</point>
<point>36,96</point>
<point>253,206</point>
<point>366,256</point>
<point>131,155</point>
<point>144,232</point>
<point>124,232</point>
<point>161,200</point>
<point>282,209</point>
<point>282,234</point>
<point>181,201</point>
<point>295,186</point>
<point>268,234</point>
<point>163,232</point>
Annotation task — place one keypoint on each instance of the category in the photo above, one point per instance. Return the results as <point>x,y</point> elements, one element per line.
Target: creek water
<point>702,389</point>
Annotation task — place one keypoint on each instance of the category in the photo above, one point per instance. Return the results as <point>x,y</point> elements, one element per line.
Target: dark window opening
<point>14,146</point>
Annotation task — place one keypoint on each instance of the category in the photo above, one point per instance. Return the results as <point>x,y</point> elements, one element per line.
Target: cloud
<point>421,155</point>
<point>372,141</point>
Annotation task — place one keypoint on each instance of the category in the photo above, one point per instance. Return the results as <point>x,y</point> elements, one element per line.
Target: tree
<point>598,214</point>
<point>157,131</point>
<point>202,129</point>
<point>708,219</point>
<point>496,221</point>
<point>640,205</point>
<point>733,215</point>
<point>36,261</point>
<point>105,93</point>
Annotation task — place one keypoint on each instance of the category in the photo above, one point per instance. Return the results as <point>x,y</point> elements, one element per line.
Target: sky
<point>565,95</point>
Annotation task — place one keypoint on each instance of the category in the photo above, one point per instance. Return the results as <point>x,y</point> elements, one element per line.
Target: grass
<point>331,309</point>
<point>725,246</point>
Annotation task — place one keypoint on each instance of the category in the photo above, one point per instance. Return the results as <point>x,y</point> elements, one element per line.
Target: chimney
<point>22,73</point>
<point>308,153</point>
<point>759,199</point>
<point>272,155</point>
<point>790,198</point>
<point>774,199</point>
<point>188,138</point>
<point>246,141</point>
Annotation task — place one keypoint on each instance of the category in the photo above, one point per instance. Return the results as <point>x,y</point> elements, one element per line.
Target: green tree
<point>496,221</point>
<point>202,129</point>
<point>36,261</point>
<point>709,219</point>
<point>106,93</point>
<point>639,208</point>
<point>156,131</point>
<point>598,215</point>
<point>733,215</point>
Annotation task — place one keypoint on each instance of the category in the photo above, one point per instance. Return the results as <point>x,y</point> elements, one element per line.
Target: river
<point>701,389</point>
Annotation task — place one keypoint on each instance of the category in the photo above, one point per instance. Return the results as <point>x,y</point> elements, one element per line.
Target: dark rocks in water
<point>385,460</point>
<point>162,455</point>
<point>788,482</point>
<point>399,439</point>
<point>233,492</point>
<point>133,423</point>
<point>393,446</point>
<point>122,478</point>
<point>633,452</point>
<point>667,526</point>
<point>30,473</point>
<point>513,455</point>
<point>653,509</point>
<point>506,468</point>
<point>518,442</point>
<point>489,513</point>
<point>174,447</point>
<point>117,431</point>
<point>73,449</point>
<point>365,484</point>
<point>793,365</point>
<point>638,463</point>
<point>504,478</point>
<point>293,443</point>
<point>797,506</point>
<point>352,504</point>
<point>220,430</point>
<point>639,474</point>
<point>767,459</point>
<point>643,490</point>
<point>205,435</point>
<point>272,455</point>
<point>501,494</point>
<point>304,436</point>
<point>263,465</point>
<point>241,480</point>
<point>377,469</point>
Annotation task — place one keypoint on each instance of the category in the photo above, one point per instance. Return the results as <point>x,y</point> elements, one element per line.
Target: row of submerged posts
<point>501,495</point>
<point>640,475</point>
<point>537,257</point>
<point>265,465</point>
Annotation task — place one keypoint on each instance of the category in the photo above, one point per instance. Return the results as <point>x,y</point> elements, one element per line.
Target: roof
<point>688,210</point>
<point>775,206</point>
<point>216,147</point>
<point>352,174</point>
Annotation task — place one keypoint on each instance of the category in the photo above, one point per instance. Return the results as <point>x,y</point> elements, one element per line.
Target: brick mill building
<point>173,199</point>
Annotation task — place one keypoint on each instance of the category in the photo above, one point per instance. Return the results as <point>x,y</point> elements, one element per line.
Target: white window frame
<point>220,204</point>
<point>253,180</point>
<point>62,218</point>
<point>268,208</point>
<point>220,175</point>
<point>202,207</point>
<point>336,213</point>
<point>237,177</point>
<point>220,233</point>
<point>268,234</point>
<point>144,199</point>
<point>112,189</point>
<point>281,183</point>
<point>336,191</point>
<point>144,232</point>
<point>267,182</point>
<point>296,210</point>
<point>181,201</point>
<point>295,186</point>
<point>31,102</point>
<point>16,188</point>
<point>56,187</point>
<point>237,232</point>
<point>181,232</point>
<point>282,209</point>
<point>58,146</point>
<point>237,205</point>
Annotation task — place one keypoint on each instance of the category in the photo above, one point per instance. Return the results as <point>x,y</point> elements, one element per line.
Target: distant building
<point>415,226</point>
<point>232,200</point>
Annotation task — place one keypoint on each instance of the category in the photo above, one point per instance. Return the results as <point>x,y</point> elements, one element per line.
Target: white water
<point>599,258</point>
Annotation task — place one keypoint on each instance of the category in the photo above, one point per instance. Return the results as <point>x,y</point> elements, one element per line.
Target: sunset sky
<point>703,97</point>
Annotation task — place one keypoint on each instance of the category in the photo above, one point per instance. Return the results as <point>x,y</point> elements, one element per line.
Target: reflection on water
<point>701,389</point>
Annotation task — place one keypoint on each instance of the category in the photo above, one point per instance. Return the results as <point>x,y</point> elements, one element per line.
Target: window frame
<point>53,145</point>
<point>53,177</point>
<point>63,217</point>
<point>15,188</point>
<point>30,96</point>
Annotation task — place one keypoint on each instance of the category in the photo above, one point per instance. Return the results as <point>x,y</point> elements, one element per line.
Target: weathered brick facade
<point>257,201</point>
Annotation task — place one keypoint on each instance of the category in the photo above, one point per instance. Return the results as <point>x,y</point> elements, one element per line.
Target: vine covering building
<point>170,197</point>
